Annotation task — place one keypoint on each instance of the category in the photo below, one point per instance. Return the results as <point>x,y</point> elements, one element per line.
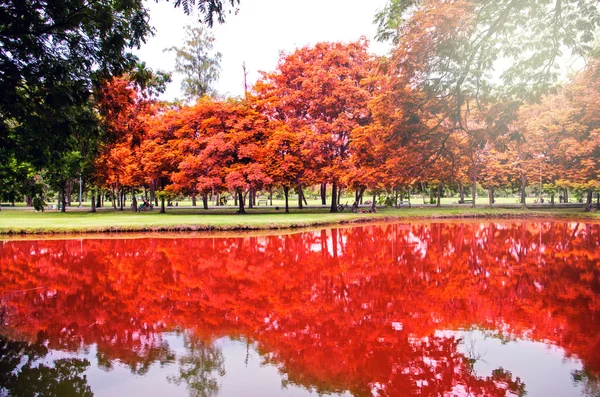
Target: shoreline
<point>277,222</point>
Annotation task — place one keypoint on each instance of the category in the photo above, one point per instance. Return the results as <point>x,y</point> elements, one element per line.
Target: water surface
<point>427,309</point>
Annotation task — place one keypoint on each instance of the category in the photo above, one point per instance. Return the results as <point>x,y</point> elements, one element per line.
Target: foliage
<point>196,62</point>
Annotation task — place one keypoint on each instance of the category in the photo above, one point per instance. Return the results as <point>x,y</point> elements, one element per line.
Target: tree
<point>460,43</point>
<point>196,62</point>
<point>282,157</point>
<point>44,86</point>
<point>221,147</point>
<point>449,54</point>
<point>125,109</point>
<point>324,88</point>
<point>52,54</point>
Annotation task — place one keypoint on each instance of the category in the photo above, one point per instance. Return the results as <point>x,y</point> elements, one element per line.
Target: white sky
<point>257,34</point>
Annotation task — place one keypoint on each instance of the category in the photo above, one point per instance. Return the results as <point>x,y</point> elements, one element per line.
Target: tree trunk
<point>491,196</point>
<point>240,195</point>
<point>334,198</point>
<point>121,199</point>
<point>99,198</point>
<point>93,193</point>
<point>474,186</point>
<point>588,199</point>
<point>523,186</point>
<point>598,200</point>
<point>250,200</point>
<point>271,196</point>
<point>29,200</point>
<point>396,194</point>
<point>63,199</point>
<point>235,199</point>
<point>461,193</point>
<point>423,192</point>
<point>439,196</point>
<point>566,195</point>
<point>286,191</point>
<point>162,204</point>
<point>133,200</point>
<point>339,195</point>
<point>205,200</point>
<point>374,201</point>
<point>194,200</point>
<point>323,193</point>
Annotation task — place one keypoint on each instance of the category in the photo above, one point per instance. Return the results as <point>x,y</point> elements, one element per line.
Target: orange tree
<point>322,88</point>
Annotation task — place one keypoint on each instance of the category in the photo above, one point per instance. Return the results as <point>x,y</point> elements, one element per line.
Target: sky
<point>260,31</point>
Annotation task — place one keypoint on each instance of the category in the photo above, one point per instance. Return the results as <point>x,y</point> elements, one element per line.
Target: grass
<point>17,221</point>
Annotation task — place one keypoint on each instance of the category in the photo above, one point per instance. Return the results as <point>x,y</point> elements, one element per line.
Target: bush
<point>38,203</point>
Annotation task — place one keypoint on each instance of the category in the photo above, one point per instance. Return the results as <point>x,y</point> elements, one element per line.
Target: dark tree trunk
<point>461,193</point>
<point>133,200</point>
<point>588,199</point>
<point>121,199</point>
<point>598,200</point>
<point>271,197</point>
<point>286,191</point>
<point>194,199</point>
<point>93,193</point>
<point>250,200</point>
<point>29,201</point>
<point>474,186</point>
<point>566,195</point>
<point>235,199</point>
<point>240,195</point>
<point>162,204</point>
<point>334,198</point>
<point>491,196</point>
<point>374,201</point>
<point>205,200</point>
<point>523,186</point>
<point>396,191</point>
<point>99,198</point>
<point>438,202</point>
<point>63,199</point>
<point>323,193</point>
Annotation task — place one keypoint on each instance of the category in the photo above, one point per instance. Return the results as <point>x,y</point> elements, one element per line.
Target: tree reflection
<point>24,374</point>
<point>353,309</point>
<point>199,367</point>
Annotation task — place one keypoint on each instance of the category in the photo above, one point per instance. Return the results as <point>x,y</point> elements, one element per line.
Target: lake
<point>477,308</point>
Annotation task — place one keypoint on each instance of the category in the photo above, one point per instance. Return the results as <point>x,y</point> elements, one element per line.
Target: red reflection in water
<point>339,309</point>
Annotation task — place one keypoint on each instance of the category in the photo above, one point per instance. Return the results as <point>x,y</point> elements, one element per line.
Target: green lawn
<point>27,221</point>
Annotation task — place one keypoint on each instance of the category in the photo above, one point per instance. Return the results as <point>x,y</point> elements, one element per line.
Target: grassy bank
<point>29,222</point>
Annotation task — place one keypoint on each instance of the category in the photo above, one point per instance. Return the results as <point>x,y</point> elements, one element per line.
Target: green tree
<point>196,61</point>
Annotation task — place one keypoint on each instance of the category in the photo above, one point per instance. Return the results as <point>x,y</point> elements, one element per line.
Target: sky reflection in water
<point>477,308</point>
